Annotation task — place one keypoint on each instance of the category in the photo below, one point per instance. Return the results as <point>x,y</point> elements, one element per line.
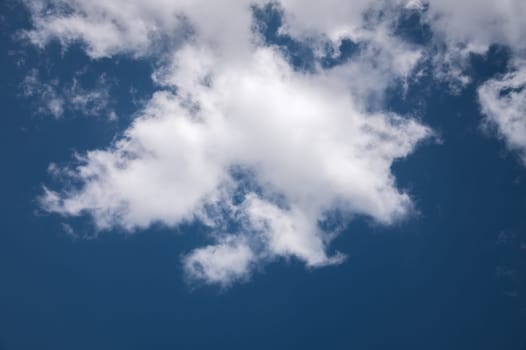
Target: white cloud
<point>480,23</point>
<point>91,102</point>
<point>288,232</point>
<point>308,139</point>
<point>54,99</point>
<point>303,136</point>
<point>138,27</point>
<point>223,263</point>
<point>49,99</point>
<point>472,26</point>
<point>503,101</point>
<point>462,28</point>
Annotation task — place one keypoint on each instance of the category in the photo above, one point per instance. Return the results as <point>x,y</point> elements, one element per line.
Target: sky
<point>263,174</point>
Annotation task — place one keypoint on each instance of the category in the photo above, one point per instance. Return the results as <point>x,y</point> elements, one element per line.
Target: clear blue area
<point>436,281</point>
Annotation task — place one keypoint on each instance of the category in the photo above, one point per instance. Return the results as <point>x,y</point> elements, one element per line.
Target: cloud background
<point>414,239</point>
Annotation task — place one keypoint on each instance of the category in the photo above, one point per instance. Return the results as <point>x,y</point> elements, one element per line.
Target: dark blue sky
<point>451,276</point>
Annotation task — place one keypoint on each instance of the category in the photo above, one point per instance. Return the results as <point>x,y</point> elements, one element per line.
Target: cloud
<point>503,102</point>
<point>461,29</point>
<point>226,262</point>
<point>480,23</point>
<point>137,27</point>
<point>302,136</point>
<point>472,27</point>
<point>238,137</point>
<point>54,98</point>
<point>50,100</point>
<point>158,27</point>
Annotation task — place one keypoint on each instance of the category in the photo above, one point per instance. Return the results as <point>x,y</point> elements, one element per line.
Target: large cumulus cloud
<point>230,106</point>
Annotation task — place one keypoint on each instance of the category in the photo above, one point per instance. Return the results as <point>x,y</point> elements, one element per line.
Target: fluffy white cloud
<point>503,101</point>
<point>302,136</point>
<point>139,27</point>
<point>288,232</point>
<point>480,23</point>
<point>223,263</point>
<point>470,27</point>
<point>227,101</point>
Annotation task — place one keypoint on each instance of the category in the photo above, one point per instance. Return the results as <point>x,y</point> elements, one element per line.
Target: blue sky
<point>186,175</point>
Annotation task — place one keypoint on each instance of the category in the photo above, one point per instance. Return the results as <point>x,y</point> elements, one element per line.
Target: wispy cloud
<point>503,102</point>
<point>56,98</point>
